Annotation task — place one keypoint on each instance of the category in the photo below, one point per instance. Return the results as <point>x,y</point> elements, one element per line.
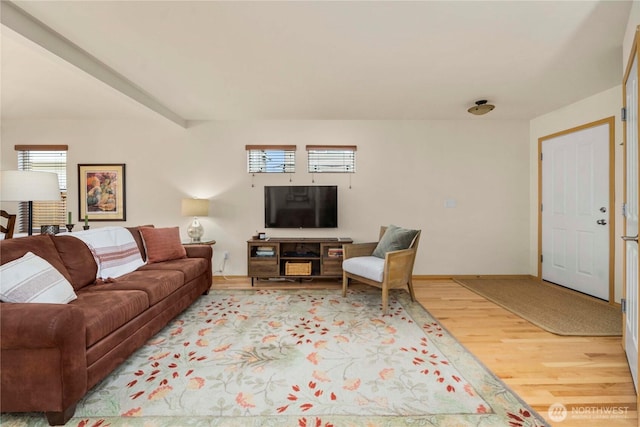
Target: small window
<point>44,158</point>
<point>332,158</point>
<point>271,158</point>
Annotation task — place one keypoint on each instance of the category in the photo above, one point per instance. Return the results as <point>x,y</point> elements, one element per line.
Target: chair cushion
<point>370,267</point>
<point>394,239</point>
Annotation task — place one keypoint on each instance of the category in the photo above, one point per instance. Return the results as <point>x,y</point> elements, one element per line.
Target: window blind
<point>271,158</point>
<point>331,158</point>
<point>44,159</point>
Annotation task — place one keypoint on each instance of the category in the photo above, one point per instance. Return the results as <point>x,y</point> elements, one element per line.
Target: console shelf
<point>295,258</point>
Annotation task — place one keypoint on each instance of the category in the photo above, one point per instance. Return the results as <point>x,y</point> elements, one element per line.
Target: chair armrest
<point>353,250</point>
<point>399,265</point>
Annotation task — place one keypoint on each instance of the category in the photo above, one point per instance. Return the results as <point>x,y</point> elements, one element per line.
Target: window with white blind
<point>332,158</point>
<point>44,158</point>
<point>271,158</point>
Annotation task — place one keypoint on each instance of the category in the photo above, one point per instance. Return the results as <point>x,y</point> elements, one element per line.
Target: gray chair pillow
<point>394,238</point>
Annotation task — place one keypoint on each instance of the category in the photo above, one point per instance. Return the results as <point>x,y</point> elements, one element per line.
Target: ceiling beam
<point>21,22</point>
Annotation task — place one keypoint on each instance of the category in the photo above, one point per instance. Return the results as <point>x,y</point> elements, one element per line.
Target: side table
<point>202,242</point>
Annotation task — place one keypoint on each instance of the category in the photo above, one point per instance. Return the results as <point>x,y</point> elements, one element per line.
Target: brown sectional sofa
<point>52,354</point>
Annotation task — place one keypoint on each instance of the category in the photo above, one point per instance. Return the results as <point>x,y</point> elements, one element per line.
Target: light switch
<point>450,203</point>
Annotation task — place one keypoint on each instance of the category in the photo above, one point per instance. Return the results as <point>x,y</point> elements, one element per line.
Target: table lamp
<point>29,186</point>
<point>195,208</point>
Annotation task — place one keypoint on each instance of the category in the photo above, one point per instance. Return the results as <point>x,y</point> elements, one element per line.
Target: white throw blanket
<point>114,249</point>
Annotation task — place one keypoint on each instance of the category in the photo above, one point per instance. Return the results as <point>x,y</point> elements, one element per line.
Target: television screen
<point>301,206</point>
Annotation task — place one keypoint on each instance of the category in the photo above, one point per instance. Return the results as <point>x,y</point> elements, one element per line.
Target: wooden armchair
<point>392,271</point>
<point>11,224</point>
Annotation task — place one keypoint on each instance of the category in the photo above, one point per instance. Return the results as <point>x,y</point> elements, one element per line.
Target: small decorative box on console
<point>297,268</point>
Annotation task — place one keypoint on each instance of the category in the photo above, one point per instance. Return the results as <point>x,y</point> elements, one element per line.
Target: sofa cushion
<point>77,259</point>
<point>157,284</point>
<point>106,311</point>
<point>162,244</point>
<point>191,268</point>
<point>370,267</point>
<point>32,279</point>
<point>114,249</point>
<point>42,246</point>
<point>135,232</point>
<point>394,238</point>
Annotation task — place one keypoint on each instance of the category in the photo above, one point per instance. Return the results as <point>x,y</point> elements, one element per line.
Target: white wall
<point>406,170</point>
<point>599,106</point>
<point>630,33</point>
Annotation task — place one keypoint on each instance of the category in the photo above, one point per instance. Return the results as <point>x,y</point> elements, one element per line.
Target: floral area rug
<point>300,358</point>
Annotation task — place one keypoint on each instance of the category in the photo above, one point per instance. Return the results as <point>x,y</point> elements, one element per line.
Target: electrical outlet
<point>225,255</point>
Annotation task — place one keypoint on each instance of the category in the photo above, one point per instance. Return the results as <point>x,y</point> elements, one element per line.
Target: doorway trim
<point>633,55</point>
<point>611,122</point>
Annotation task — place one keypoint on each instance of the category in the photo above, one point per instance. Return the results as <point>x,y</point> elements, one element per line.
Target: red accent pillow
<point>162,244</point>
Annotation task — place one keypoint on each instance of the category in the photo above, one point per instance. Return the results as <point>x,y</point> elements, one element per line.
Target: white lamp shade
<point>195,207</point>
<point>29,186</point>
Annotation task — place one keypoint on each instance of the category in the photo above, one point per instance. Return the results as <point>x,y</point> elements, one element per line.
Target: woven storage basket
<point>297,268</point>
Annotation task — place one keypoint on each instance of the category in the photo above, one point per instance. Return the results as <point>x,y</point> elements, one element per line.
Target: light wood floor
<point>588,375</point>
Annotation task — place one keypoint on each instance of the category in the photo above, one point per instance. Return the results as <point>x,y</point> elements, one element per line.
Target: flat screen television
<point>301,206</point>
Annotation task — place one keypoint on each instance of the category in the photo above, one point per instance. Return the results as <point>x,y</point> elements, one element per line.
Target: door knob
<point>603,209</point>
<point>602,221</point>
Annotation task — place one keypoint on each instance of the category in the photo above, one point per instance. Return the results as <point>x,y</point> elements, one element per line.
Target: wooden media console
<point>295,258</point>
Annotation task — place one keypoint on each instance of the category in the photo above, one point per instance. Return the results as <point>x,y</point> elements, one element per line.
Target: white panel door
<point>575,210</point>
<point>631,222</point>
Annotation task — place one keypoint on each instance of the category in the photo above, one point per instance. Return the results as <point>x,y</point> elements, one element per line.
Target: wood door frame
<point>612,223</point>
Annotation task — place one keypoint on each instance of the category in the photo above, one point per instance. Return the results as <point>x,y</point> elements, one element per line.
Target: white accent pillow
<point>32,279</point>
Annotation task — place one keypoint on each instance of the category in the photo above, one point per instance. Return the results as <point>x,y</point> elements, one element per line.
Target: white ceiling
<point>213,60</point>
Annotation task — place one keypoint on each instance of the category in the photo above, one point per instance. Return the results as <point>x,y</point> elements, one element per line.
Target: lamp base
<point>30,219</point>
<point>195,231</point>
<point>49,229</point>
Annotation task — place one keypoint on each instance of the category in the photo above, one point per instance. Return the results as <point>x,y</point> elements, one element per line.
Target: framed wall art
<point>101,192</point>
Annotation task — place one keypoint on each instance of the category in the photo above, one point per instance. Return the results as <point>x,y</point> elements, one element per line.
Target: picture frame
<point>101,192</point>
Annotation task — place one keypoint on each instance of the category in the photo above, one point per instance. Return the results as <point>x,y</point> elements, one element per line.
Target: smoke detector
<point>481,108</point>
